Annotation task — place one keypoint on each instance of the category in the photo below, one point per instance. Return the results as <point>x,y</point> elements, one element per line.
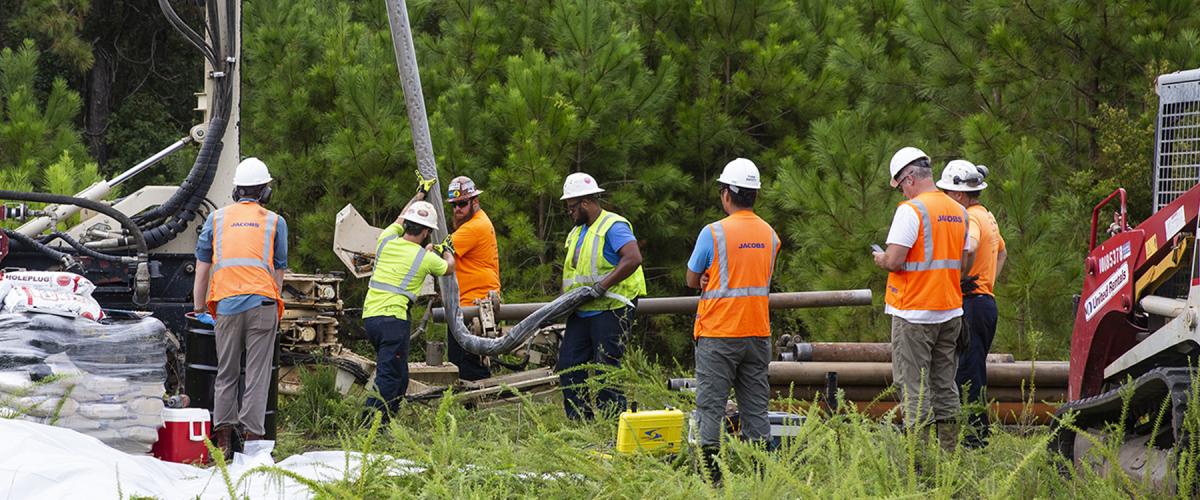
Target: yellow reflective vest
<point>591,266</point>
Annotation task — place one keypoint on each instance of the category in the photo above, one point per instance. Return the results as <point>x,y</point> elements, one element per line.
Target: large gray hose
<point>414,100</point>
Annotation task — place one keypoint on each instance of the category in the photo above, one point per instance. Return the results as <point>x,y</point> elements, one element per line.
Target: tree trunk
<point>99,105</point>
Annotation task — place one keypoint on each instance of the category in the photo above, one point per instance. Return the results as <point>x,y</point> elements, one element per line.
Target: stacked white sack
<point>103,380</point>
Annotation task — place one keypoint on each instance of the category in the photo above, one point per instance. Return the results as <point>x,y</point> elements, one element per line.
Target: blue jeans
<point>596,339</point>
<point>389,336</point>
<point>979,314</point>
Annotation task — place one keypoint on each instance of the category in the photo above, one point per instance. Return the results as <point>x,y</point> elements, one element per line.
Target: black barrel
<point>200,373</point>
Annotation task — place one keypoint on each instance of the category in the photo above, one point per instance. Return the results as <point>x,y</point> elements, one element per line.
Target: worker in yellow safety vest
<point>732,264</point>
<point>602,255</point>
<point>925,255</point>
<point>244,246</point>
<point>403,259</point>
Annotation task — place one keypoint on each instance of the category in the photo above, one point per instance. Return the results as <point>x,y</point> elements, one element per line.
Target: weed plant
<point>530,449</point>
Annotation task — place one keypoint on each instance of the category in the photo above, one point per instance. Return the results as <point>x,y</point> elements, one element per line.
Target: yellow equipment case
<point>652,431</point>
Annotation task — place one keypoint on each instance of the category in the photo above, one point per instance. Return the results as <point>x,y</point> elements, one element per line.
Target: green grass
<point>531,450</point>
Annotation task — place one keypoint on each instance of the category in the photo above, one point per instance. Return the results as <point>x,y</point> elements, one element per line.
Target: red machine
<point>1135,345</point>
<point>1117,310</point>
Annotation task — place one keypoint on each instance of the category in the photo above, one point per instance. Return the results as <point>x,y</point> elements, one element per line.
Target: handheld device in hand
<point>876,248</point>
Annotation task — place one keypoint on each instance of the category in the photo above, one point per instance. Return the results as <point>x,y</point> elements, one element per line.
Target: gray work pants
<point>251,332</point>
<point>923,366</point>
<point>741,364</point>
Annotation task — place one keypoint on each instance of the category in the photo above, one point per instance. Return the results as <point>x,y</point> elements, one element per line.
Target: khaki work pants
<point>923,366</point>
<point>740,363</point>
<point>252,333</point>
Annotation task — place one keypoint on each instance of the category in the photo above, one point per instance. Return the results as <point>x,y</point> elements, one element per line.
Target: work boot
<point>709,453</point>
<point>947,433</point>
<point>223,439</point>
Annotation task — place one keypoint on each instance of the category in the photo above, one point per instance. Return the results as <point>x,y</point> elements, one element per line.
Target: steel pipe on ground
<point>687,305</point>
<point>1031,373</point>
<point>878,352</point>
<point>870,393</point>
<point>1003,413</point>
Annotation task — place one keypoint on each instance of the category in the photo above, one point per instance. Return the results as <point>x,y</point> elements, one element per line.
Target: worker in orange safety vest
<point>732,264</point>
<point>244,246</point>
<point>925,255</point>
<point>964,181</point>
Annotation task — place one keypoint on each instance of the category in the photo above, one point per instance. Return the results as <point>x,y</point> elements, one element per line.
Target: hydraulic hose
<point>141,289</point>
<point>197,184</point>
<point>84,250</point>
<point>66,260</point>
<point>414,101</point>
<point>166,221</point>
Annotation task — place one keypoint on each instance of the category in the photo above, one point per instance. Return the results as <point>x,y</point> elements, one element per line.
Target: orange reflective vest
<point>734,301</point>
<point>929,280</point>
<point>243,254</point>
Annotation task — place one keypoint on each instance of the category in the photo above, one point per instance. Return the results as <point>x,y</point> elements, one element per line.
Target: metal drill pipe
<point>1039,373</point>
<point>687,305</point>
<point>879,352</point>
<point>1003,413</point>
<point>870,393</point>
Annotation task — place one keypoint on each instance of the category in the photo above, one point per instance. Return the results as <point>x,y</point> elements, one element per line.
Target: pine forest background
<point>652,97</point>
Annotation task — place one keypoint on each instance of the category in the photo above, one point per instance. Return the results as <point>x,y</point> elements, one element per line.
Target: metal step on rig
<point>1135,348</point>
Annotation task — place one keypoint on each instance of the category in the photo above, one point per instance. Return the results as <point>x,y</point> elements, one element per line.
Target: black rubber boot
<point>709,453</point>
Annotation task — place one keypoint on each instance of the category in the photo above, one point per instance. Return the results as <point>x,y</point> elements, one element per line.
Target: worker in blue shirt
<point>242,254</point>
<point>603,257</point>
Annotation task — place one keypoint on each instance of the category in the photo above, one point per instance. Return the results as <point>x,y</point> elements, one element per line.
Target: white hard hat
<point>423,213</point>
<point>579,184</point>
<point>962,175</point>
<point>741,173</point>
<point>902,158</point>
<point>251,172</point>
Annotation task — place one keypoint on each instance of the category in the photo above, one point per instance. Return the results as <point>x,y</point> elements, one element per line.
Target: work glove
<point>597,290</point>
<point>969,284</point>
<point>424,185</point>
<point>964,338</point>
<point>446,245</point>
<point>206,319</point>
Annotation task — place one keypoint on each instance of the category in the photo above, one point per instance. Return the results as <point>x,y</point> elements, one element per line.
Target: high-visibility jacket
<point>400,268</point>
<point>984,228</point>
<point>929,280</point>
<point>243,254</point>
<point>734,301</point>
<point>586,268</point>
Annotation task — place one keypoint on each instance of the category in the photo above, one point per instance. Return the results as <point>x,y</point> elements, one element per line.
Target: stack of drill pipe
<point>1005,413</point>
<point>864,375</point>
<point>858,352</point>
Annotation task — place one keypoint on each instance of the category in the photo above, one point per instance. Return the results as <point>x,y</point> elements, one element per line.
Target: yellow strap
<point>1161,272</point>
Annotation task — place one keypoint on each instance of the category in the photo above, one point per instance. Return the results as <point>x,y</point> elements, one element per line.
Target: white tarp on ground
<point>43,462</point>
